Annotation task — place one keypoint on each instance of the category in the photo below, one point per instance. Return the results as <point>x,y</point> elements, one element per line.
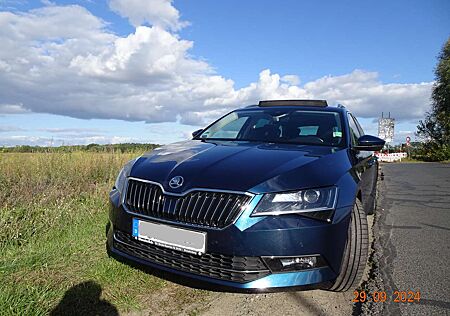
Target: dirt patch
<point>173,299</point>
<point>315,302</point>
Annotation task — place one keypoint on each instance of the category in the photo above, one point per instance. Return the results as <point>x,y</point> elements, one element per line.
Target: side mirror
<point>369,143</point>
<point>196,133</point>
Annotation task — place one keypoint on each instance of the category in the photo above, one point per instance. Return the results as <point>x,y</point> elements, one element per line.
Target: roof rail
<point>341,106</point>
<point>319,103</point>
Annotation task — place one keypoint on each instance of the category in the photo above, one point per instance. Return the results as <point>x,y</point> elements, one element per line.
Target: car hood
<point>242,166</point>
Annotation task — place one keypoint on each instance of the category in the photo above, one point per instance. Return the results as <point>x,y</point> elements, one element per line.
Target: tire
<point>374,205</point>
<point>355,253</point>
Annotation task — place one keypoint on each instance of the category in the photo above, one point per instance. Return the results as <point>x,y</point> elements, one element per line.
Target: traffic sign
<point>408,141</point>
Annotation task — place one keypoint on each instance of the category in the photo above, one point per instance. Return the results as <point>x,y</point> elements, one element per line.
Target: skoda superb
<point>269,196</point>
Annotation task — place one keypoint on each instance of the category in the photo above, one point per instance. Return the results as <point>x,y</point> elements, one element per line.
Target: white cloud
<point>159,13</point>
<point>12,108</point>
<point>360,91</point>
<point>365,95</point>
<point>48,2</point>
<point>63,60</point>
<point>9,128</point>
<point>150,56</point>
<point>291,79</point>
<point>58,130</point>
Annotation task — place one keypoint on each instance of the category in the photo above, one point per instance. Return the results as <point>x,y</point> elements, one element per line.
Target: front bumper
<point>233,253</point>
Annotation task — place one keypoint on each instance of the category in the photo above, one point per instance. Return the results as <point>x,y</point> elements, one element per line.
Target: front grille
<point>217,266</point>
<point>214,209</point>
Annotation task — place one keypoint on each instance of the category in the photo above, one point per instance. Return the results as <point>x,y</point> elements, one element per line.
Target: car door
<point>371,171</point>
<point>364,163</point>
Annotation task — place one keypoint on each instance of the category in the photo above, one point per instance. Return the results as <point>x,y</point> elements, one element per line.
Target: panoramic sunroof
<point>320,103</point>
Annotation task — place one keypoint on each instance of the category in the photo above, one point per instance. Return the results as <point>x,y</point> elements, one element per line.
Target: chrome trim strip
<point>224,269</point>
<point>190,190</point>
<point>299,256</point>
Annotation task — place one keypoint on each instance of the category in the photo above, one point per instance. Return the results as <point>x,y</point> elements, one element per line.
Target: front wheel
<point>355,254</point>
<point>374,205</point>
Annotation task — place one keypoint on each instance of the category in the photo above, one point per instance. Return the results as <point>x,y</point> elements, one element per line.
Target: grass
<point>409,159</point>
<point>412,160</point>
<point>53,212</point>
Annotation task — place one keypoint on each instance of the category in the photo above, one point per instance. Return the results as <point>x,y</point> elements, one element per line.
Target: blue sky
<point>77,72</point>
<point>398,39</point>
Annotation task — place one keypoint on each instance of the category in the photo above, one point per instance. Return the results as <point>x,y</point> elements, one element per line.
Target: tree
<point>435,128</point>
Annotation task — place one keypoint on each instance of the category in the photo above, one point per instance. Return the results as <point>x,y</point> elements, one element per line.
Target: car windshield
<point>278,126</point>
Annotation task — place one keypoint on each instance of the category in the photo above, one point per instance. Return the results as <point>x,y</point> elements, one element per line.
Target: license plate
<point>169,237</point>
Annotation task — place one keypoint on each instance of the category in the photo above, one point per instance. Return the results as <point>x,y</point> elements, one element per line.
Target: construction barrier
<point>391,157</point>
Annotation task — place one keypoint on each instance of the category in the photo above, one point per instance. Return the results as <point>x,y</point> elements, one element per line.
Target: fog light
<point>285,264</point>
<point>302,262</point>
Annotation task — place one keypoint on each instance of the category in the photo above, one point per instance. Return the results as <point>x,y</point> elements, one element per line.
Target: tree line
<point>434,130</point>
<point>110,148</point>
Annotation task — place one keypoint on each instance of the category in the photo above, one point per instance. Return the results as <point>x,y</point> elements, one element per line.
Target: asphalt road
<point>412,235</point>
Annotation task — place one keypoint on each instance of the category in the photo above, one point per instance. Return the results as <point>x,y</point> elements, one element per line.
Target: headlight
<point>123,174</point>
<point>305,201</point>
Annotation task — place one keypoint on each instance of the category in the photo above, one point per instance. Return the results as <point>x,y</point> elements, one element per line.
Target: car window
<point>361,131</point>
<point>279,126</point>
<point>228,130</point>
<point>262,122</point>
<point>354,131</point>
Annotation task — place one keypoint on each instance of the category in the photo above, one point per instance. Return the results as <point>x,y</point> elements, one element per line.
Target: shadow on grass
<point>84,299</point>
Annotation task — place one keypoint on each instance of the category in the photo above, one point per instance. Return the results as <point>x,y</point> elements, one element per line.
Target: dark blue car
<point>269,196</point>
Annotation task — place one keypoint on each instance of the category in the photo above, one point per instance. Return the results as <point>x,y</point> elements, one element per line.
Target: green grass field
<point>54,209</point>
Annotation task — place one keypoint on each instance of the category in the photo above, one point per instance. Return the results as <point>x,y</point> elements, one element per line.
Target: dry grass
<point>37,191</point>
<point>53,209</point>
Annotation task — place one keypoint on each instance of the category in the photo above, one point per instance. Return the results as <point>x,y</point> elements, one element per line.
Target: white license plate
<point>170,237</point>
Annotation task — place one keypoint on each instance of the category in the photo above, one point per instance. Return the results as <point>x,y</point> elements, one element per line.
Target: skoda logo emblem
<point>176,182</point>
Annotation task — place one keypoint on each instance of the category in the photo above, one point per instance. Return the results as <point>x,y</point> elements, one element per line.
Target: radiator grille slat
<point>212,200</point>
<point>228,201</point>
<point>199,213</point>
<point>149,199</point>
<point>147,192</point>
<point>214,209</point>
<point>135,195</point>
<point>139,198</point>
<point>220,200</point>
<point>129,195</point>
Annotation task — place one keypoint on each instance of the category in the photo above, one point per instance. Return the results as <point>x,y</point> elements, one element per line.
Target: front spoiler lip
<point>306,280</point>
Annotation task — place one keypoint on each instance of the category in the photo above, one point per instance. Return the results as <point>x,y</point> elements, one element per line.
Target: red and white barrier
<point>391,157</point>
